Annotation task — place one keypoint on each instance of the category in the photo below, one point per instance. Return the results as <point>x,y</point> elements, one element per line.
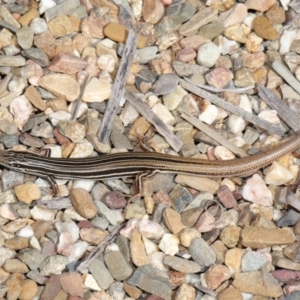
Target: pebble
<point>260,6</point>
<point>97,90</point>
<point>208,55</point>
<point>253,261</point>
<point>256,191</point>
<point>259,283</point>
<point>201,253</point>
<point>169,244</point>
<point>61,85</point>
<point>277,174</point>
<point>27,192</point>
<point>215,275</point>
<point>264,29</point>
<point>153,11</point>
<point>181,265</point>
<point>83,203</point>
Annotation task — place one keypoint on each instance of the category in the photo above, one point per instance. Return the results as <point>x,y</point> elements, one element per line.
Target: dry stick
<point>4,83</point>
<point>213,134</point>
<point>118,87</point>
<point>152,118</point>
<point>83,85</point>
<point>233,109</point>
<point>215,90</point>
<point>100,248</point>
<point>286,74</point>
<point>288,115</point>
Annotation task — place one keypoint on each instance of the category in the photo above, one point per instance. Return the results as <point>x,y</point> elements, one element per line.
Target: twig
<point>233,109</point>
<point>100,248</point>
<point>288,115</point>
<point>216,90</point>
<point>213,134</point>
<point>286,74</point>
<point>84,82</point>
<point>118,87</point>
<point>152,118</point>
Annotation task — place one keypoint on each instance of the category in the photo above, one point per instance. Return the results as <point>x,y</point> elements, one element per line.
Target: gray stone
<point>98,190</point>
<point>99,222</point>
<point>101,274</point>
<point>181,13</point>
<point>250,136</point>
<point>32,258</point>
<point>123,244</point>
<point>185,69</point>
<point>12,61</point>
<point>53,265</point>
<point>145,54</point>
<point>212,30</point>
<point>11,179</point>
<point>119,140</point>
<point>180,197</point>
<point>293,296</point>
<point>118,185</point>
<point>152,280</point>
<point>116,291</point>
<point>253,261</point>
<point>117,265</point>
<point>289,219</point>
<point>164,26</point>
<point>202,253</point>
<point>105,212</point>
<point>7,197</point>
<point>37,55</point>
<point>37,277</point>
<point>31,141</point>
<point>63,8</point>
<point>181,265</point>
<point>165,84</point>
<point>163,182</point>
<point>9,140</point>
<point>144,80</point>
<point>34,121</point>
<point>25,37</point>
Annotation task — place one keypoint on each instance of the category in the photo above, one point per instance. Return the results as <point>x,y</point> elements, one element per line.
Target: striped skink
<point>132,163</point>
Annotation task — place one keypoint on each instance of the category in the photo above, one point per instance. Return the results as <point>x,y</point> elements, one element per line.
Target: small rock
<point>253,261</point>
<point>27,192</point>
<point>181,265</point>
<point>202,253</point>
<point>257,283</point>
<point>208,54</point>
<point>71,283</point>
<point>172,220</point>
<point>261,5</point>
<point>263,28</point>
<point>169,244</point>
<point>219,77</point>
<point>29,290</point>
<point>83,203</point>
<point>153,11</point>
<point>256,191</point>
<point>101,274</point>
<point>215,275</point>
<point>92,235</point>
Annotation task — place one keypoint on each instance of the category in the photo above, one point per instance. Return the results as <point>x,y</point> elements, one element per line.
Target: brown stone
<point>132,291</point>
<point>51,288</point>
<point>34,97</point>
<point>27,192</point>
<point>67,64</point>
<point>259,237</point>
<point>137,250</point>
<point>60,26</point>
<point>15,285</point>
<point>263,28</point>
<point>276,15</point>
<point>172,220</point>
<point>29,291</point>
<point>17,243</point>
<point>191,216</point>
<point>41,227</point>
<point>92,27</point>
<point>71,283</point>
<point>83,203</point>
<point>229,294</point>
<point>153,11</point>
<point>215,275</point>
<point>25,19</point>
<point>257,283</point>
<point>262,5</point>
<point>230,236</point>
<point>92,235</point>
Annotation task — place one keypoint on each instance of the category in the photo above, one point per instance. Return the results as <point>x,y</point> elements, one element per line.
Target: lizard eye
<point>21,157</point>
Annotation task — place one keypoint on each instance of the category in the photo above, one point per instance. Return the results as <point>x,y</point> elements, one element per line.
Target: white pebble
<point>150,246</point>
<point>45,4</point>
<point>40,213</point>
<point>277,174</point>
<point>223,153</point>
<point>256,191</point>
<point>156,260</point>
<point>25,232</point>
<point>34,243</point>
<point>249,19</point>
<point>209,114</point>
<point>162,112</point>
<point>270,116</point>
<point>90,283</point>
<point>58,116</point>
<point>82,149</point>
<point>69,227</point>
<point>286,39</point>
<point>38,25</point>
<point>86,184</point>
<point>106,62</point>
<point>169,244</point>
<point>79,250</point>
<point>150,229</point>
<point>173,99</point>
<point>208,54</point>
